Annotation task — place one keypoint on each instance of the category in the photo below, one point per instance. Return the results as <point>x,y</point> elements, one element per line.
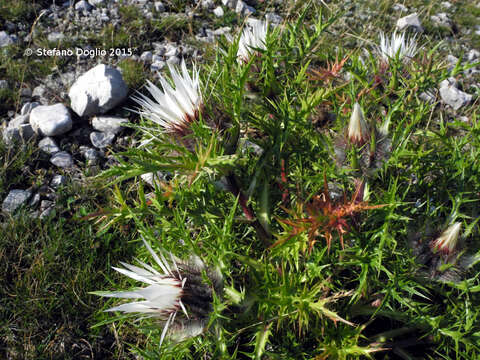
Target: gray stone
<point>174,60</point>
<point>442,20</point>
<point>3,84</point>
<point>26,92</point>
<point>410,21</point>
<point>45,204</point>
<point>47,209</point>
<point>15,199</point>
<point>6,39</point>
<point>39,91</point>
<point>83,5</point>
<point>146,56</point>
<point>473,55</point>
<point>28,107</point>
<point>399,7</point>
<point>156,57</point>
<point>454,97</point>
<point>48,145</point>
<point>452,62</point>
<point>26,132</point>
<point>427,96</point>
<point>208,4</point>
<point>222,31</point>
<point>248,146</point>
<point>101,140</point>
<point>159,7</point>
<point>152,179</point>
<point>17,130</point>
<point>218,11</point>
<point>171,51</point>
<point>57,181</point>
<point>55,36</point>
<point>97,91</point>
<point>18,120</point>
<point>34,201</point>
<point>62,159</point>
<point>51,120</point>
<point>11,135</point>
<point>451,81</point>
<point>160,50</point>
<point>447,5</point>
<point>471,72</point>
<point>91,155</point>
<point>243,9</point>
<point>273,18</point>
<point>230,3</point>
<point>108,124</point>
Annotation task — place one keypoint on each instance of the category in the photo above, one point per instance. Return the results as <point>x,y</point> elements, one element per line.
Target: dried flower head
<point>358,131</point>
<point>253,37</point>
<point>447,241</point>
<point>176,294</point>
<point>173,108</point>
<point>398,47</point>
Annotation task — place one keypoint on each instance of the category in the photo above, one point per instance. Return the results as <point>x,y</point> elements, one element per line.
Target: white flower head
<point>358,131</point>
<point>253,37</point>
<point>397,47</point>
<point>173,108</point>
<point>176,294</point>
<point>447,241</point>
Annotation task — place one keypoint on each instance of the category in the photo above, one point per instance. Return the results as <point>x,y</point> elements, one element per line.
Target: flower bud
<point>358,131</point>
<point>447,241</point>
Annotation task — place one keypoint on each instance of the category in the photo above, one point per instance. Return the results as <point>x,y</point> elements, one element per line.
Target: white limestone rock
<point>15,199</point>
<point>97,91</point>
<point>51,120</point>
<point>410,21</point>
<point>108,124</point>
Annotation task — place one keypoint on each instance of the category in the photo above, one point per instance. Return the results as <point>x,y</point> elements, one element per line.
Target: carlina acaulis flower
<point>397,47</point>
<point>173,108</point>
<point>176,293</point>
<point>253,37</point>
<point>358,129</point>
<point>446,243</point>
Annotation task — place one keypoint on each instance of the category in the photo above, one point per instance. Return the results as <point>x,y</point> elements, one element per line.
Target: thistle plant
<point>306,273</point>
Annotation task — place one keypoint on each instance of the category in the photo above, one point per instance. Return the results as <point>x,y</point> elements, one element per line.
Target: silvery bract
<point>447,241</point>
<point>176,294</point>
<point>398,47</point>
<point>358,131</point>
<point>173,108</point>
<point>253,37</point>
